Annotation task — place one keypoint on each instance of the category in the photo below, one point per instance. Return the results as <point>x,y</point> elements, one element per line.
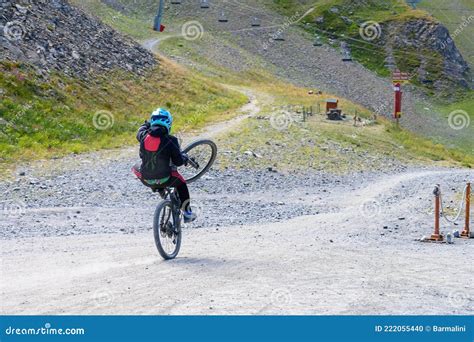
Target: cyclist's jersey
<point>158,152</point>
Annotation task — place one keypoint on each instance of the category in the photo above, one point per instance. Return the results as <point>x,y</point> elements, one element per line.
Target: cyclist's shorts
<point>156,181</point>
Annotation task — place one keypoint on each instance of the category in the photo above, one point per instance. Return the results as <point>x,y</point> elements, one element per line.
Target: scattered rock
<point>54,32</point>
<point>347,20</point>
<point>319,20</point>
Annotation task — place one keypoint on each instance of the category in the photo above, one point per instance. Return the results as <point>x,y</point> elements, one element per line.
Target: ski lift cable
<point>266,14</point>
<point>310,9</point>
<point>461,10</point>
<point>439,64</point>
<point>263,17</point>
<point>446,17</point>
<point>256,11</point>
<point>375,45</point>
<point>246,7</point>
<point>467,36</point>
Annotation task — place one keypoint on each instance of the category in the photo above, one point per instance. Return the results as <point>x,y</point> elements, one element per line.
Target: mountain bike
<point>168,216</point>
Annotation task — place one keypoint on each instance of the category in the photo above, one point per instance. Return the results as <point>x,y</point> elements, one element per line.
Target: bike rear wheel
<point>202,154</point>
<point>166,230</point>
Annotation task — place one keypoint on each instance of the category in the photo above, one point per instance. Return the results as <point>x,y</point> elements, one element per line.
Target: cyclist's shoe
<point>189,216</point>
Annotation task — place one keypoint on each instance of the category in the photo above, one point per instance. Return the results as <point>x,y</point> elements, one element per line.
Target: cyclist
<point>161,154</point>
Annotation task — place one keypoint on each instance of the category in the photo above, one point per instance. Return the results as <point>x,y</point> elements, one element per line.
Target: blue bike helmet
<point>161,117</point>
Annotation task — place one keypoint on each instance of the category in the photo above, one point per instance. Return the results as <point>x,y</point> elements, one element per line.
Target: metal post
<point>436,236</point>
<point>466,233</point>
<point>398,102</point>
<point>159,16</point>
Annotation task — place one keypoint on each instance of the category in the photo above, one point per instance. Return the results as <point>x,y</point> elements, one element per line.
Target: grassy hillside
<point>458,17</point>
<point>465,108</point>
<point>379,139</point>
<point>319,144</point>
<point>367,53</point>
<point>342,20</point>
<point>44,118</point>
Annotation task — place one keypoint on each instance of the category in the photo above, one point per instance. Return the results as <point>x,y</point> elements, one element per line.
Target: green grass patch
<point>44,118</point>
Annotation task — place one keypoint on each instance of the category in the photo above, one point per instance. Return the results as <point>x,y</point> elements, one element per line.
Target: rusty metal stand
<point>436,236</point>
<point>466,233</point>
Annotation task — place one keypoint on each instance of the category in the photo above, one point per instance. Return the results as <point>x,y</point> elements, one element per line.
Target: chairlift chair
<point>176,2</point>
<point>223,17</point>
<point>346,52</point>
<point>317,41</point>
<point>255,22</point>
<point>205,4</point>
<point>390,63</point>
<point>346,56</point>
<point>390,66</point>
<point>278,36</point>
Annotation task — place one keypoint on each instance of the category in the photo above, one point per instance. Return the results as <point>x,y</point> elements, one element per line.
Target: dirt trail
<point>269,243</point>
<point>252,108</point>
<point>330,263</point>
<point>152,43</point>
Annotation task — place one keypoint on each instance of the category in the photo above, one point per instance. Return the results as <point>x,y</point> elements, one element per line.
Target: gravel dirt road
<point>265,242</point>
<point>350,249</point>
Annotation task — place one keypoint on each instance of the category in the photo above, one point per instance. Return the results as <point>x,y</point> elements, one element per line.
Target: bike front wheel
<point>167,230</point>
<point>202,154</point>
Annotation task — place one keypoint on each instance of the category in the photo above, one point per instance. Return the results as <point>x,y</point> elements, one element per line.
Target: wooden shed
<point>331,104</point>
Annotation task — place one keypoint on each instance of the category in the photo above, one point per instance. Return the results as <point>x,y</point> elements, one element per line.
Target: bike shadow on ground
<point>203,262</point>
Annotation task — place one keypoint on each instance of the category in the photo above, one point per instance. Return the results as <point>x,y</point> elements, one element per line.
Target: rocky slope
<point>54,35</point>
<point>422,35</point>
<point>389,31</point>
<point>235,45</point>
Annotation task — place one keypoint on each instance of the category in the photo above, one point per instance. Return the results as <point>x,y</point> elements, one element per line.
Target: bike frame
<point>176,208</point>
<point>175,204</point>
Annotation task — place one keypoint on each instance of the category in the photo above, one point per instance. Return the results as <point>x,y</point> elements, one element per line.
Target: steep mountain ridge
<point>418,35</point>
<point>458,17</point>
<point>388,33</point>
<point>53,35</point>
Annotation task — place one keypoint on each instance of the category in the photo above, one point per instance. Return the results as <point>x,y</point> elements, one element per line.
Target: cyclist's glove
<point>185,158</point>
